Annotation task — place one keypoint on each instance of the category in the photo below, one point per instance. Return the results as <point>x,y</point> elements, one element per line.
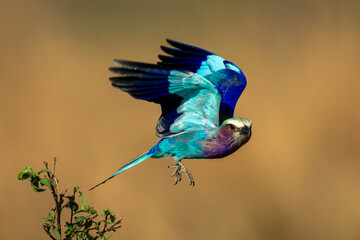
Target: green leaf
<point>80,218</point>
<point>61,201</point>
<point>73,206</point>
<point>88,224</point>
<point>107,211</point>
<point>35,187</point>
<point>83,199</point>
<point>49,217</point>
<point>56,233</point>
<point>33,176</point>
<point>45,182</point>
<point>89,236</point>
<point>105,238</point>
<point>44,170</point>
<point>112,218</point>
<point>71,198</point>
<point>68,232</point>
<point>80,238</point>
<point>24,174</point>
<point>71,203</point>
<point>87,209</point>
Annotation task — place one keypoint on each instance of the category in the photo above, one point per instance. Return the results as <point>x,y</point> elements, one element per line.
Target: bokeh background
<point>298,177</point>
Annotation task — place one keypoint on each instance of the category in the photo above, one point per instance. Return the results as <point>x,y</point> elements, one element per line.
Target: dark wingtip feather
<point>167,49</point>
<point>168,40</point>
<point>130,67</point>
<point>187,47</point>
<point>114,70</point>
<point>182,52</point>
<point>133,64</point>
<point>163,57</point>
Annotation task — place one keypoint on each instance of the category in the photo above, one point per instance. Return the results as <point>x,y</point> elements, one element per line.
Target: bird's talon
<point>180,168</point>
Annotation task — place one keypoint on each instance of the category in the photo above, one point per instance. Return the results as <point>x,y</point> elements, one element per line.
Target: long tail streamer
<point>127,165</point>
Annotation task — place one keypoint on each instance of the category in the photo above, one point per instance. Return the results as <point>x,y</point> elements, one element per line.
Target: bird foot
<point>179,169</point>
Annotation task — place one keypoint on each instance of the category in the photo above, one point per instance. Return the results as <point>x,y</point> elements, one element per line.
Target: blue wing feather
<point>171,88</point>
<point>229,78</point>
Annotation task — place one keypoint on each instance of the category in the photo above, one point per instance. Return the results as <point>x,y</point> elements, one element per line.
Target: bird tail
<point>127,165</point>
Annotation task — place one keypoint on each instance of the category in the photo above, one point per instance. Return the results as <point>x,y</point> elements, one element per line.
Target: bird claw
<point>180,168</point>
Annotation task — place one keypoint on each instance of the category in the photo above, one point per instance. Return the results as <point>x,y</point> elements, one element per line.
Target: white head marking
<point>235,122</point>
<point>239,122</point>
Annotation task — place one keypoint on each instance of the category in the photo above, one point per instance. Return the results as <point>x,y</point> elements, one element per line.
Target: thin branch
<point>82,225</point>
<point>47,230</point>
<point>56,197</point>
<point>112,227</point>
<point>71,210</point>
<point>105,222</point>
<point>55,160</point>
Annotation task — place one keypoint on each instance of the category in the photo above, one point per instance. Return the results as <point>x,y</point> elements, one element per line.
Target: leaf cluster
<point>83,223</point>
<point>35,179</point>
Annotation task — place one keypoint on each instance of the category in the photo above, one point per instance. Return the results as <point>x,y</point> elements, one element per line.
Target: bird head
<point>240,128</point>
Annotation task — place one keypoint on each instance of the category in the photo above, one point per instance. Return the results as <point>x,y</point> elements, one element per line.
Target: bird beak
<point>245,130</point>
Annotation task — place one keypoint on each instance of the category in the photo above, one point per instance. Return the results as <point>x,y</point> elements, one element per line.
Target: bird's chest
<point>223,144</point>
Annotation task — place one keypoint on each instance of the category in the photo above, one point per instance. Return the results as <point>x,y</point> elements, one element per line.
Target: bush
<point>83,223</point>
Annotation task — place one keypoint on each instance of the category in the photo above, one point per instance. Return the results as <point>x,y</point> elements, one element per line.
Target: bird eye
<point>232,127</point>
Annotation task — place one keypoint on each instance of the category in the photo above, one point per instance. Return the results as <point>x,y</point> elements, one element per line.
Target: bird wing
<point>228,77</point>
<point>188,100</point>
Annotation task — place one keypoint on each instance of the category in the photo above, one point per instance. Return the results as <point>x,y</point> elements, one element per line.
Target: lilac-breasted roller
<point>197,91</point>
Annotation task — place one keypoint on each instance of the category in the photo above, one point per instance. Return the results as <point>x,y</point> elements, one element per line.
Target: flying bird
<point>197,91</point>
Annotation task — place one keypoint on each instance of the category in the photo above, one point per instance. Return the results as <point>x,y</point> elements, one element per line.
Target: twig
<point>57,198</point>
<point>112,227</point>
<point>47,230</point>
<point>71,210</point>
<point>55,160</point>
<point>105,222</point>
<point>88,220</point>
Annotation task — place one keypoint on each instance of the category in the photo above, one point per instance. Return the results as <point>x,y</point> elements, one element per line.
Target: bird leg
<point>179,169</point>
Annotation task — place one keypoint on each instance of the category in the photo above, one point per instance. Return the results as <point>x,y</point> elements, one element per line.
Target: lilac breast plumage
<point>223,145</point>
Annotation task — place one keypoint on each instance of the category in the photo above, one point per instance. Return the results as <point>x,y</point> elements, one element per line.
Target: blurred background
<point>298,177</point>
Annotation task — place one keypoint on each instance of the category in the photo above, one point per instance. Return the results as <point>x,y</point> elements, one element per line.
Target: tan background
<point>298,177</point>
